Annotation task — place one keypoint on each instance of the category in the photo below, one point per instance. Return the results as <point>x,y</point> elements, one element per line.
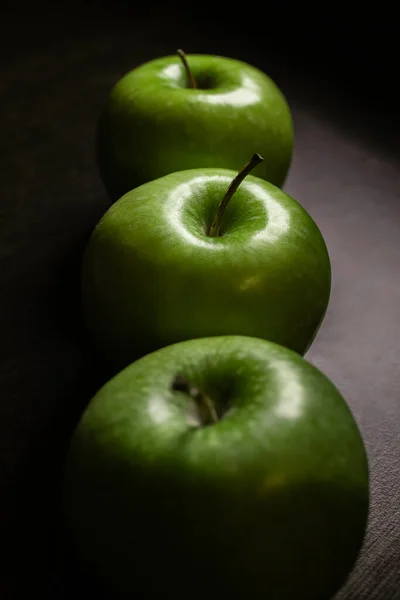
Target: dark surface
<point>57,66</point>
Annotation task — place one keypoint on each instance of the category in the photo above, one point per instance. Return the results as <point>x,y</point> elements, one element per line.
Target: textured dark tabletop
<point>53,82</point>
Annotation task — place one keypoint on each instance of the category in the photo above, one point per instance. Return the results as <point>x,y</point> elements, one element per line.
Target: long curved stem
<point>192,81</point>
<point>255,160</point>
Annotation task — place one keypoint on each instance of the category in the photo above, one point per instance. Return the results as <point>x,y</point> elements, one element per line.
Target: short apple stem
<point>255,160</point>
<point>205,406</point>
<point>192,81</point>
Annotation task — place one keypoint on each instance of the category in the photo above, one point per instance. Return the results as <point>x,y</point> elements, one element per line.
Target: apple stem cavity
<point>192,81</point>
<point>255,160</point>
<point>205,406</point>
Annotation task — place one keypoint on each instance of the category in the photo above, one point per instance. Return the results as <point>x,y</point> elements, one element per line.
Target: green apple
<point>225,467</point>
<point>155,273</point>
<point>154,122</point>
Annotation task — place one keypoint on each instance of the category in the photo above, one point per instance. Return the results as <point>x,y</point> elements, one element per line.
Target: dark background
<point>337,66</point>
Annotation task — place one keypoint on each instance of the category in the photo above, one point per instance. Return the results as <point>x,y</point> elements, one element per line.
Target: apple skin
<point>154,124</point>
<point>152,277</point>
<point>269,503</point>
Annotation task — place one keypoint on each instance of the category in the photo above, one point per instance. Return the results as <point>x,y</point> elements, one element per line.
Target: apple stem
<point>205,406</point>
<point>192,81</point>
<point>255,160</point>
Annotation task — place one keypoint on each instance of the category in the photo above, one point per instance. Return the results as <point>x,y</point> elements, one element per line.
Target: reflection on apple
<point>157,270</point>
<point>225,467</point>
<point>155,122</point>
